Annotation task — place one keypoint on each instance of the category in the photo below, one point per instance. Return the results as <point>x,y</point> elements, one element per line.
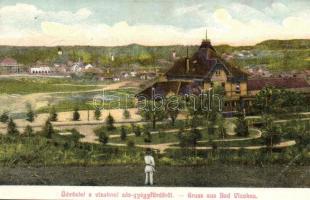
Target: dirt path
<point>162,147</point>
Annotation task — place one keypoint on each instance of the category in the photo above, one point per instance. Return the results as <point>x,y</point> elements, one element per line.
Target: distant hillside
<point>284,44</point>
<point>148,55</point>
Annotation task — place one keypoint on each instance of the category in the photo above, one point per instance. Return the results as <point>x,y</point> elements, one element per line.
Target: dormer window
<point>217,72</point>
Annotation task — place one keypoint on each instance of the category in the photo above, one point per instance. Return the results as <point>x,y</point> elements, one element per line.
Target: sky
<point>151,22</point>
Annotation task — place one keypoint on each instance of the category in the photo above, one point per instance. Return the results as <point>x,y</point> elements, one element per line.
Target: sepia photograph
<point>162,99</point>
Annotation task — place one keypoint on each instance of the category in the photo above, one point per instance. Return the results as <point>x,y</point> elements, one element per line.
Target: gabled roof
<point>281,83</point>
<point>202,63</point>
<point>163,89</point>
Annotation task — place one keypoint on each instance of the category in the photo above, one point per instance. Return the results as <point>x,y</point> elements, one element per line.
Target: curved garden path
<point>163,146</point>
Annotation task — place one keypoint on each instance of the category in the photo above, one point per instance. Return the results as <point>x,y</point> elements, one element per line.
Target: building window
<point>238,88</point>
<point>217,72</point>
<point>223,84</point>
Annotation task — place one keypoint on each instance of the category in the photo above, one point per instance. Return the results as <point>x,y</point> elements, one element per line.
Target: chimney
<point>187,61</point>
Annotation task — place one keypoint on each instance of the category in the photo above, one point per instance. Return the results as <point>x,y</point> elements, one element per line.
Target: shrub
<point>76,135</point>
<point>147,136</point>
<point>30,113</point>
<point>48,129</point>
<point>76,114</point>
<point>190,139</point>
<point>242,128</point>
<point>102,134</point>
<point>123,133</point>
<point>137,131</point>
<point>126,114</point>
<point>97,113</point>
<point>4,118</point>
<point>272,139</point>
<point>28,131</point>
<point>12,129</point>
<point>53,114</point>
<point>130,143</point>
<point>103,137</point>
<point>110,122</point>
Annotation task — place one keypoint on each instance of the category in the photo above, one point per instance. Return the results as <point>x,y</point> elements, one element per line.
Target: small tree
<point>195,136</point>
<point>30,113</point>
<point>126,114</point>
<point>123,133</point>
<point>110,122</point>
<point>76,135</point>
<point>103,136</point>
<point>76,114</point>
<point>28,131</point>
<point>271,132</point>
<point>147,136</point>
<point>242,128</point>
<point>12,129</point>
<point>48,129</point>
<point>53,114</point>
<point>220,122</point>
<point>97,113</point>
<point>173,108</point>
<point>4,118</point>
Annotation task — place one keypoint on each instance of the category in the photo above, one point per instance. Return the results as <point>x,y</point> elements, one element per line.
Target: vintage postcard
<point>161,99</point>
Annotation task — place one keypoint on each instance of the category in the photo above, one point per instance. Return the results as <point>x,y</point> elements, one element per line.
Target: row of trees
<point>12,130</point>
<point>53,116</point>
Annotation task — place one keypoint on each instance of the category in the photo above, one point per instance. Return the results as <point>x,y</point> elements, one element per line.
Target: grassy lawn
<point>36,85</point>
<point>216,175</point>
<point>84,101</point>
<point>163,137</point>
<point>62,160</point>
<point>156,139</point>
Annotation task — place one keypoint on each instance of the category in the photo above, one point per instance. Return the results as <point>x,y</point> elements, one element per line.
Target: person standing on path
<point>149,167</point>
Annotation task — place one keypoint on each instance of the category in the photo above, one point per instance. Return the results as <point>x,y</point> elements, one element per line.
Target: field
<point>29,86</point>
<point>219,175</point>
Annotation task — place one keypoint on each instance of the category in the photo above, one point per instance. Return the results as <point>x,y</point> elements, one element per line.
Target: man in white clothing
<point>149,167</point>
